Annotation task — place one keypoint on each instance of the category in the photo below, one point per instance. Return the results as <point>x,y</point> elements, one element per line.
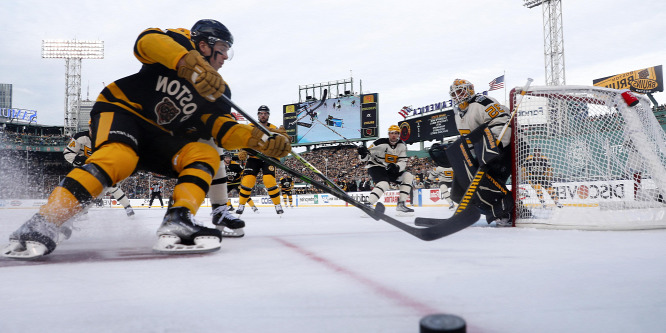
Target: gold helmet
<point>394,128</point>
<point>461,92</point>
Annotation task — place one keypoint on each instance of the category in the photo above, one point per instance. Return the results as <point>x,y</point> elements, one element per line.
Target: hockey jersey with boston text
<point>159,96</point>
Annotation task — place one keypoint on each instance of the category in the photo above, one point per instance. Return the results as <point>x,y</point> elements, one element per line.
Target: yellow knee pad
<point>196,163</point>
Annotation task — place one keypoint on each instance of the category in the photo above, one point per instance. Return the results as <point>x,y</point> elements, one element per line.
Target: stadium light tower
<point>73,51</point>
<point>553,40</point>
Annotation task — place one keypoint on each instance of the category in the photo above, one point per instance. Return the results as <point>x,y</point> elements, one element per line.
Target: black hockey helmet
<point>264,108</point>
<point>212,32</point>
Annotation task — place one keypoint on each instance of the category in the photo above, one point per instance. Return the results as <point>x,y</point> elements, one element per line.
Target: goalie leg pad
<point>462,161</point>
<point>485,145</point>
<point>493,198</point>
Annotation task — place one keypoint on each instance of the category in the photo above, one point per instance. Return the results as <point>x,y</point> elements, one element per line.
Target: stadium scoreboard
<point>433,126</point>
<point>339,119</point>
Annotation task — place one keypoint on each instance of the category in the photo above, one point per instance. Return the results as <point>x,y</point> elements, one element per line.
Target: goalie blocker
<point>492,197</point>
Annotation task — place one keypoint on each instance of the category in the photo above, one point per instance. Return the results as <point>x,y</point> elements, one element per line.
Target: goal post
<point>585,159</point>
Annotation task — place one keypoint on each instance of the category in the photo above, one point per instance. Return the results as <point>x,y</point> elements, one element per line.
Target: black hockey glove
<point>79,160</point>
<point>363,151</point>
<point>438,154</point>
<point>393,171</point>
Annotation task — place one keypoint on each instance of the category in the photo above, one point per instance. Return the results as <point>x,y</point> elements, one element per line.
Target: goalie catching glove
<point>276,145</point>
<point>206,80</point>
<point>363,151</point>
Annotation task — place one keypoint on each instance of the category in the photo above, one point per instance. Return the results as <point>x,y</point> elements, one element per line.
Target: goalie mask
<point>461,92</point>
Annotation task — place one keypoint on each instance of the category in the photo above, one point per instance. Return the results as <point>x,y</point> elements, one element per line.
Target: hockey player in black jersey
<point>254,165</point>
<point>234,175</point>
<point>146,121</point>
<point>286,186</point>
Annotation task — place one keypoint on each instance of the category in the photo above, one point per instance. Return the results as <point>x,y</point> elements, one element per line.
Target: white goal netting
<point>585,159</point>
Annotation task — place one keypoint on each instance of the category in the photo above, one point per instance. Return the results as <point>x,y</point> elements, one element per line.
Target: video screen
<point>340,119</point>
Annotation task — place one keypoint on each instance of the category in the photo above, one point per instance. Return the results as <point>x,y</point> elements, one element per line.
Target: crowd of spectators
<point>34,174</point>
<point>19,138</point>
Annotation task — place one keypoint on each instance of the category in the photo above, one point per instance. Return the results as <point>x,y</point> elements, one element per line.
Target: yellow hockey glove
<point>276,145</point>
<point>206,80</point>
<point>280,130</point>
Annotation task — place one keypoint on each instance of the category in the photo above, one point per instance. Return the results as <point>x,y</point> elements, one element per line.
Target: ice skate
<point>369,205</point>
<point>278,209</point>
<point>129,211</point>
<point>179,234</point>
<point>229,225</point>
<point>35,238</point>
<point>255,209</point>
<point>65,230</point>
<point>503,222</point>
<point>403,210</point>
<point>241,209</point>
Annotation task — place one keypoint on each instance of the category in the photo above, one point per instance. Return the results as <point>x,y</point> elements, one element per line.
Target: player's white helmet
<point>461,92</point>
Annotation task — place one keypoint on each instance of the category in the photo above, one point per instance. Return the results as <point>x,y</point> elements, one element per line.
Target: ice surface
<point>328,270</point>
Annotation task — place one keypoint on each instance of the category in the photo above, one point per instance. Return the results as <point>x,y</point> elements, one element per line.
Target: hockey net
<point>585,159</point>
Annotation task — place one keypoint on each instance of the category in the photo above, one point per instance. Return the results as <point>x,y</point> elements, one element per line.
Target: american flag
<point>404,112</point>
<point>497,83</point>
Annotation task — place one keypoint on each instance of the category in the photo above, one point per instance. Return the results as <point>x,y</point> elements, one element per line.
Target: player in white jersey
<point>76,153</point>
<point>387,163</point>
<point>444,177</point>
<point>480,120</point>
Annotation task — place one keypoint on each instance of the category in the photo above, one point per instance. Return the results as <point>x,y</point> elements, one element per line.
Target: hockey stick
<point>458,220</point>
<point>293,153</point>
<point>426,234</point>
<point>309,112</point>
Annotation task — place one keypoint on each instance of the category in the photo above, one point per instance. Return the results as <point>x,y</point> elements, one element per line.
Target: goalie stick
<point>459,221</point>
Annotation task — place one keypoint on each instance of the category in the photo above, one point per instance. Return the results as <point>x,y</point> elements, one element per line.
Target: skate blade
<point>32,250</point>
<point>169,244</point>
<point>404,214</point>
<point>231,233</point>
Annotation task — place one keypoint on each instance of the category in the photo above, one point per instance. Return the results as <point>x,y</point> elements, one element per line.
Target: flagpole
<point>504,74</point>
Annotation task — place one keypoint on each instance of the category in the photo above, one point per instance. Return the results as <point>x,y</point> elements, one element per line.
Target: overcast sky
<point>406,51</point>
